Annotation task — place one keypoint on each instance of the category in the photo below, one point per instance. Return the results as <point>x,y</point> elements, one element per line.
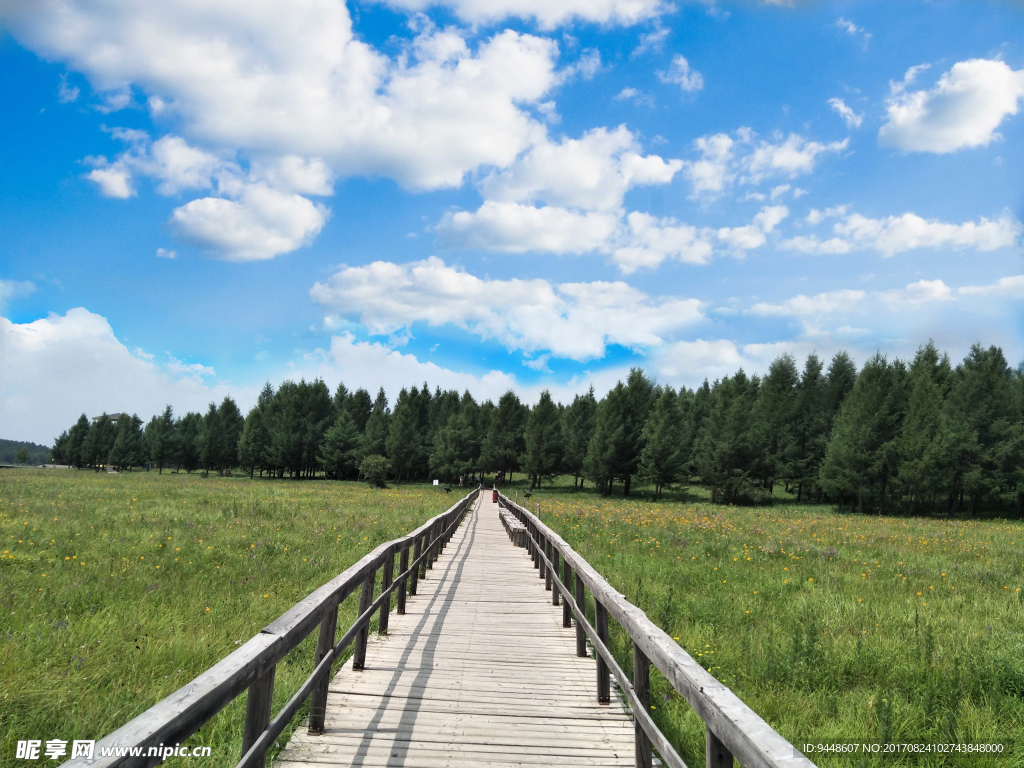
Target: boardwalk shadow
<point>434,615</point>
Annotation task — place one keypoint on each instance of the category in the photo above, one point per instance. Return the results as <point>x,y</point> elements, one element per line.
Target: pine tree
<point>76,439</point>
<point>378,426</point>
<point>727,449</point>
<point>862,457</point>
<point>340,450</point>
<point>360,406</point>
<point>983,432</point>
<point>187,430</point>
<point>254,442</point>
<point>127,450</point>
<point>577,431</point>
<point>662,458</point>
<point>811,426</point>
<point>231,424</point>
<point>775,415</point>
<point>404,443</point>
<point>98,442</point>
<point>543,439</point>
<point>923,474</point>
<point>210,440</point>
<point>503,446</point>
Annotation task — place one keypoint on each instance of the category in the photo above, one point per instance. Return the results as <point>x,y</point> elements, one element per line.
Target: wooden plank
<point>471,675</point>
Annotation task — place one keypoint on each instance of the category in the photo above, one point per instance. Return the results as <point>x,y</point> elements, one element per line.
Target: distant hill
<point>37,454</point>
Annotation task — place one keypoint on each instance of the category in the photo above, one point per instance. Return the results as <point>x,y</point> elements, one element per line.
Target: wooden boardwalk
<point>478,672</point>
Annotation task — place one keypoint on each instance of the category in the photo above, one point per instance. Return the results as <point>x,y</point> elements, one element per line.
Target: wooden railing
<point>252,666</point>
<point>732,729</point>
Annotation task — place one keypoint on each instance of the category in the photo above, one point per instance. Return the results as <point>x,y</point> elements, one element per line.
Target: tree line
<point>923,437</point>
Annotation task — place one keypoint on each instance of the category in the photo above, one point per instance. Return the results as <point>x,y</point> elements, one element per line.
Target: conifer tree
<point>340,450</point>
<point>378,426</point>
<point>922,474</point>
<point>577,431</point>
<point>661,460</point>
<point>504,445</point>
<point>543,440</point>
<point>127,450</point>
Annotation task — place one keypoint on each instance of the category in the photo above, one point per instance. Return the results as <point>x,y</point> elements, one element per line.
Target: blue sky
<point>484,194</point>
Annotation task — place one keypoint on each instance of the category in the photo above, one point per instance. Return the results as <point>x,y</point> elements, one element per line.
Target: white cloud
<point>908,231</point>
<point>851,118</point>
<point>648,241</point>
<point>854,31</point>
<point>753,235</point>
<point>896,234</point>
<point>42,361</point>
<point>635,95</point>
<point>1005,286</point>
<point>802,305</point>
<point>66,93</point>
<point>962,110</point>
<point>113,181</point>
<point>292,87</point>
<point>790,157</point>
<point>690,362</point>
<point>920,292</point>
<point>679,73</point>
<point>517,228</point>
<point>568,320</point>
<point>651,41</point>
<point>547,13</point>
<point>593,172</point>
<point>15,289</point>
<point>261,224</point>
<point>746,159</point>
<point>163,253</point>
<point>811,245</point>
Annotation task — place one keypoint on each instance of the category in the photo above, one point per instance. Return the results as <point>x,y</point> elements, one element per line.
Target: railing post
<point>581,605</point>
<point>385,581</point>
<point>403,566</point>
<point>553,571</point>
<point>567,580</point>
<point>604,693</point>
<point>415,575</point>
<point>535,537</point>
<point>717,756</point>
<point>642,689</point>
<point>365,599</point>
<point>318,696</point>
<point>257,711</point>
<point>543,550</point>
<point>428,561</point>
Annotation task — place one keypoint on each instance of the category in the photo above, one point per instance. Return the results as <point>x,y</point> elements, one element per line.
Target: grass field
<point>116,589</point>
<point>829,626</point>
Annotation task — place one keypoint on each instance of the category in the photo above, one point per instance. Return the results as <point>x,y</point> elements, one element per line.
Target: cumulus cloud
<point>921,292</point>
<point>42,361</point>
<point>753,235</point>
<point>567,320</point>
<point>962,110</point>
<point>648,241</point>
<point>261,224</point>
<point>802,305</point>
<point>593,172</point>
<point>1004,286</point>
<point>853,30</point>
<point>679,73</point>
<point>517,228</point>
<point>547,14</point>
<point>113,181</point>
<point>851,118</point>
<point>297,91</point>
<point>895,234</point>
<point>743,158</point>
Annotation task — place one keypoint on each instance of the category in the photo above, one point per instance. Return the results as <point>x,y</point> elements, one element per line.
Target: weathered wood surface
<point>478,671</point>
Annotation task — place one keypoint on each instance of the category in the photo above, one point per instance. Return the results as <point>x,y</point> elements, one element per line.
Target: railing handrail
<point>753,742</point>
<point>183,712</point>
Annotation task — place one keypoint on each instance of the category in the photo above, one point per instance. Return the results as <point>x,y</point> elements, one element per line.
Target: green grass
<point>117,589</point>
<point>829,626</point>
<point>812,618</point>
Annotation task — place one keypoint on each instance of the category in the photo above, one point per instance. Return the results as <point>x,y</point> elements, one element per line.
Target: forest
<point>924,437</point>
